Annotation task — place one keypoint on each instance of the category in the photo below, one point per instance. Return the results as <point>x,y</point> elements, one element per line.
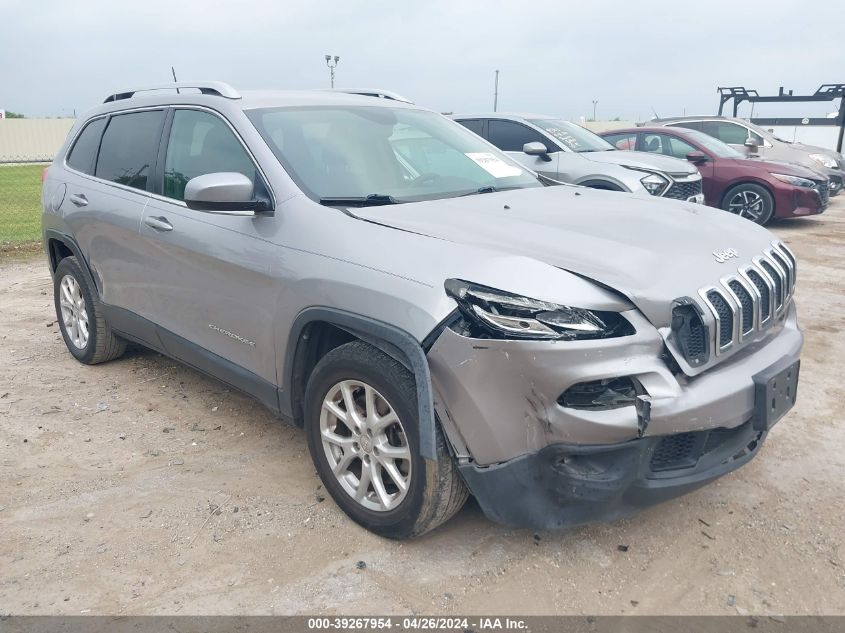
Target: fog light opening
<point>602,395</point>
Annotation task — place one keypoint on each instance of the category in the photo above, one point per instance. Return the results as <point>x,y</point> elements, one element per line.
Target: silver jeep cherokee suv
<point>438,320</point>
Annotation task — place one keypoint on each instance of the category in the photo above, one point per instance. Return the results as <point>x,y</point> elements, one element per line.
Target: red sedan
<point>753,188</point>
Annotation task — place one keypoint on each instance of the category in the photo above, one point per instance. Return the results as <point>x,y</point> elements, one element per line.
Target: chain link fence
<point>20,201</point>
<point>26,148</point>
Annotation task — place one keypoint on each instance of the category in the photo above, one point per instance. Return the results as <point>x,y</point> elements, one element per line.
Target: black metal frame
<point>826,92</point>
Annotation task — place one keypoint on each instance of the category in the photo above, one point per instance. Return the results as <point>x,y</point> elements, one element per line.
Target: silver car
<point>565,152</point>
<point>755,140</point>
<point>438,320</point>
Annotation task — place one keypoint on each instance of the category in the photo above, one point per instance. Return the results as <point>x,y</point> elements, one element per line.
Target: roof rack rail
<point>216,88</point>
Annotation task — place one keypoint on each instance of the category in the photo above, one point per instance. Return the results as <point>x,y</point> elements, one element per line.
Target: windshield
<point>713,145</point>
<point>376,154</point>
<point>573,137</point>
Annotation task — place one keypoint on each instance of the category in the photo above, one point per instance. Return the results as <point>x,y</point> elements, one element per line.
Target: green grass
<point>20,203</point>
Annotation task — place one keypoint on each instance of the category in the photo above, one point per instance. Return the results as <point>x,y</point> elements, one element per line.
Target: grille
<point>675,451</point>
<point>725,327</point>
<point>747,304</point>
<point>823,188</point>
<point>742,304</point>
<point>683,190</point>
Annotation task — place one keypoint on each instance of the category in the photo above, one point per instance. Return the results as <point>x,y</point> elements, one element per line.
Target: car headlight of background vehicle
<point>795,180</point>
<point>491,313</point>
<point>655,184</point>
<point>826,161</point>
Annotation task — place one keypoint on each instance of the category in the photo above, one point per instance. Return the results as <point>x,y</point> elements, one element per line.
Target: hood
<point>779,167</point>
<point>649,249</point>
<point>814,149</point>
<point>644,160</point>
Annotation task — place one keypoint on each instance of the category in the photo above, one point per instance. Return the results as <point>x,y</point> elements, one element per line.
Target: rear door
<point>511,137</point>
<point>209,279</point>
<point>109,178</point>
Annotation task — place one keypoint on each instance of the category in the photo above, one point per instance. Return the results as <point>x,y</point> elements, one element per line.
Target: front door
<point>210,279</point>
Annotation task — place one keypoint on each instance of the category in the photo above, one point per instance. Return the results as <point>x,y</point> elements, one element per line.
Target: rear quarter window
<point>129,148</point>
<point>83,154</point>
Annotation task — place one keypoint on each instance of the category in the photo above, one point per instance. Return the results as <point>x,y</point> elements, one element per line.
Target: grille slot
<point>778,283</point>
<point>725,326</point>
<point>747,303</point>
<point>787,269</point>
<point>765,294</point>
<point>683,190</point>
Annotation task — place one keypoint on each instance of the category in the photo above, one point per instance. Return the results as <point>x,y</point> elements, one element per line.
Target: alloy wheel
<point>365,445</point>
<point>747,204</point>
<point>74,312</point>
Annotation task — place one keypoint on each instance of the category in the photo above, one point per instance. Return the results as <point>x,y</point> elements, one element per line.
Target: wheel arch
<point>60,245</point>
<point>606,185</point>
<point>317,330</point>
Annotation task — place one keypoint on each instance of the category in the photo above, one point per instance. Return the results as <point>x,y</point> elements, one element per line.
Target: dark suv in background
<point>752,188</point>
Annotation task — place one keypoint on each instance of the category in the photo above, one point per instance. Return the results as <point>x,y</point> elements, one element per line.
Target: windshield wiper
<point>485,189</point>
<point>372,200</point>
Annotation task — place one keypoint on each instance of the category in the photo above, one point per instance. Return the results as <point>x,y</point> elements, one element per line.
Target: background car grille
<point>823,189</point>
<point>683,190</point>
<point>740,304</point>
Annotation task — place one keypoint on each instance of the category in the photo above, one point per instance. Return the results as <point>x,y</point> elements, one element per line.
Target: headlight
<point>654,184</point>
<point>496,314</point>
<point>821,159</point>
<point>795,180</point>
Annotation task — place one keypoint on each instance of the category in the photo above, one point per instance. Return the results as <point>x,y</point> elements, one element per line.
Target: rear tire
<point>80,316</point>
<point>364,457</point>
<point>750,201</point>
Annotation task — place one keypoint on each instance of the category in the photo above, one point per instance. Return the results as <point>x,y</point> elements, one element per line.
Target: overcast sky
<point>554,57</point>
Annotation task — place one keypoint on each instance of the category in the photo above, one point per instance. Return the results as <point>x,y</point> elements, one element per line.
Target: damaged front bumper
<point>531,460</point>
<point>567,485</point>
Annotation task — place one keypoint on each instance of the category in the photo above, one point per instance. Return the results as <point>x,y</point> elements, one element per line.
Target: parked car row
<point>438,318</point>
<point>750,187</point>
<point>687,162</point>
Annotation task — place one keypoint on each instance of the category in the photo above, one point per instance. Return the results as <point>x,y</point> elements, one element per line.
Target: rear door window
<point>730,133</point>
<point>510,136</point>
<point>692,125</point>
<point>473,125</point>
<point>129,148</point>
<point>84,152</point>
<point>201,143</point>
<point>622,141</point>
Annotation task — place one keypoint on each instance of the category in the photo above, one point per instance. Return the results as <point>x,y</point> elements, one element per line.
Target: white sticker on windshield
<point>494,165</point>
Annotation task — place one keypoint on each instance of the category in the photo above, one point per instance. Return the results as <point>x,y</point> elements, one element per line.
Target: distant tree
<point>14,115</point>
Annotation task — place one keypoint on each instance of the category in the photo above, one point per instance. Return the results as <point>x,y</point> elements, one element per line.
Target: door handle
<point>159,224</point>
<point>78,199</point>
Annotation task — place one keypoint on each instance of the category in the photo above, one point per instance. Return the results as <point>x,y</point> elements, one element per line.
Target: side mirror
<point>751,144</point>
<point>536,148</point>
<point>225,193</point>
<point>697,157</point>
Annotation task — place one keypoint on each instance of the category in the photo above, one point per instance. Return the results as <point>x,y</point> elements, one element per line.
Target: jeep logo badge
<point>725,255</point>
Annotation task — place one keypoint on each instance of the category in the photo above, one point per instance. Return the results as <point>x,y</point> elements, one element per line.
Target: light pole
<point>331,62</point>
<point>496,92</point>
<point>595,101</point>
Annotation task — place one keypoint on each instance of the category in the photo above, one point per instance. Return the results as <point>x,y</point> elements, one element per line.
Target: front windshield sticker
<point>494,165</point>
<point>567,139</point>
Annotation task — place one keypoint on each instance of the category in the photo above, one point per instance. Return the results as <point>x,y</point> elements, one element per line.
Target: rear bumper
<point>566,485</point>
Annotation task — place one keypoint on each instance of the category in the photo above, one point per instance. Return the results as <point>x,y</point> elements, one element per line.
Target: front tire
<point>363,435</point>
<point>750,201</point>
<point>80,315</point>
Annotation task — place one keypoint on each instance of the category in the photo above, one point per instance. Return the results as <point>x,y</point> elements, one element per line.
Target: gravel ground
<point>143,487</point>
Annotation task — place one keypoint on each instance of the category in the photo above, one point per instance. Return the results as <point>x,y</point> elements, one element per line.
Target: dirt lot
<point>110,476</point>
